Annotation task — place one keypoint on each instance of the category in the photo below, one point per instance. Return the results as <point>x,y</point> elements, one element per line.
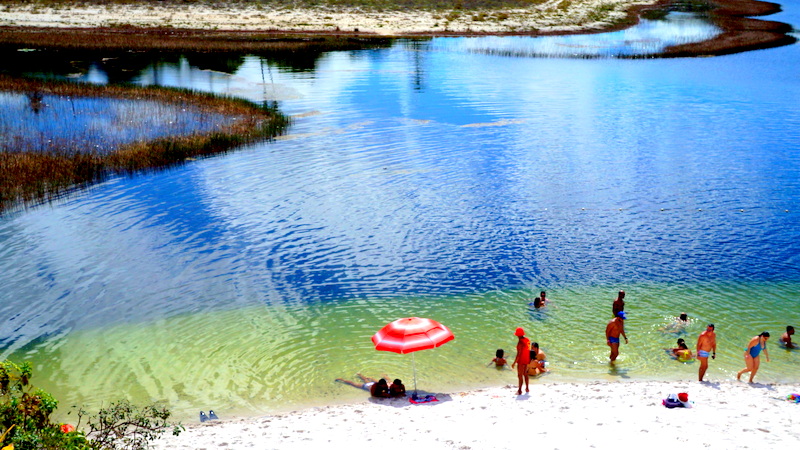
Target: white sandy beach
<point>620,415</point>
<point>551,16</point>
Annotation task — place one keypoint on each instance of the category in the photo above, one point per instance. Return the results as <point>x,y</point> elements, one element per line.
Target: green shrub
<point>25,419</point>
<point>25,414</point>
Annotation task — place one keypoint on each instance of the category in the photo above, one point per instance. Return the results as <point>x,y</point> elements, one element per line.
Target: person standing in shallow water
<point>752,355</point>
<point>522,359</point>
<point>614,329</point>
<point>786,339</point>
<point>706,345</point>
<point>619,304</point>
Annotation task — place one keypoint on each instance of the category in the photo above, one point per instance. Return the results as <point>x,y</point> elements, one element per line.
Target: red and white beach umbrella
<point>410,335</point>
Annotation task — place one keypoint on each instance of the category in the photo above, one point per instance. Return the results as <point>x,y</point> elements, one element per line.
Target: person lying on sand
<point>376,388</point>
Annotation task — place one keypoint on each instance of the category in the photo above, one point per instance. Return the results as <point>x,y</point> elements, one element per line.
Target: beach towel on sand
<point>426,399</point>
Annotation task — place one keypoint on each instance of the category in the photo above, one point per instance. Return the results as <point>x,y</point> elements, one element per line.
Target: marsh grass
<point>129,38</point>
<point>30,177</point>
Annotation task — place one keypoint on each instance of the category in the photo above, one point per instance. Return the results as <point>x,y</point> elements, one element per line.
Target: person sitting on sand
<point>682,352</point>
<point>376,388</point>
<point>499,359</point>
<point>397,388</point>
<point>786,339</point>
<point>538,363</point>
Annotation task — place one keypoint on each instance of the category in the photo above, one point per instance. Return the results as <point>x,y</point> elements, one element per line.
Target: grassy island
<point>46,172</point>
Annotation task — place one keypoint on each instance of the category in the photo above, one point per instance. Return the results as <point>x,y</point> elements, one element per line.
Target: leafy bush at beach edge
<point>25,420</point>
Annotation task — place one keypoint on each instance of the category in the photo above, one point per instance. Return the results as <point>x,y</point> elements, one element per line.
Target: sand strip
<point>726,415</point>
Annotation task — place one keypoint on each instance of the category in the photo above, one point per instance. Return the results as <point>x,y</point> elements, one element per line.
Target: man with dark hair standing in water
<point>619,303</point>
<point>706,344</point>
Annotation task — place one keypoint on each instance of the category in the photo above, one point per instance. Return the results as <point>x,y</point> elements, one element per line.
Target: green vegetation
<point>28,177</point>
<point>25,419</point>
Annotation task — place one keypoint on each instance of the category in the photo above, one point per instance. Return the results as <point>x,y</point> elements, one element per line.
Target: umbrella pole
<point>414,365</point>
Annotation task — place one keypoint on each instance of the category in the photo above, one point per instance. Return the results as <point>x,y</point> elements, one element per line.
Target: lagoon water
<point>443,178</point>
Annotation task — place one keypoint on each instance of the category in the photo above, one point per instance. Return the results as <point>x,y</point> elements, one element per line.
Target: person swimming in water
<point>752,355</point>
<point>677,326</point>
<point>541,301</point>
<point>499,360</point>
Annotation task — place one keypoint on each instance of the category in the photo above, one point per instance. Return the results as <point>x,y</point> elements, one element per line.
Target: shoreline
<point>210,28</point>
<point>727,414</point>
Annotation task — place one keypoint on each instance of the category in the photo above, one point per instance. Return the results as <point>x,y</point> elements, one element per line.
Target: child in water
<point>682,352</point>
<point>499,359</point>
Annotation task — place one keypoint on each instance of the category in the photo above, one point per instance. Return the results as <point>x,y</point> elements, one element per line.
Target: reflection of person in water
<point>35,99</point>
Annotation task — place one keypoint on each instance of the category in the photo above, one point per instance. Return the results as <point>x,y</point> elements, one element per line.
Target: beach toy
<point>793,398</point>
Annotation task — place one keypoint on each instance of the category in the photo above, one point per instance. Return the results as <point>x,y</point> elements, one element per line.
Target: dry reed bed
<point>168,39</point>
<point>32,177</point>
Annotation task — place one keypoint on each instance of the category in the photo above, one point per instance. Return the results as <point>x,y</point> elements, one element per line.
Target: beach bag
<point>672,401</point>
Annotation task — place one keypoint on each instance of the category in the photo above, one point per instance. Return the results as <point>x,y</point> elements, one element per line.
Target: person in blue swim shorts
<point>706,345</point>
<point>614,329</point>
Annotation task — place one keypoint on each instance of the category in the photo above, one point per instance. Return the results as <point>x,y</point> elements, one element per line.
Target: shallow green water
<point>264,358</point>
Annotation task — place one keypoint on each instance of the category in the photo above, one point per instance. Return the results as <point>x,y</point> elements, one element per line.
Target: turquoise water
<point>422,179</point>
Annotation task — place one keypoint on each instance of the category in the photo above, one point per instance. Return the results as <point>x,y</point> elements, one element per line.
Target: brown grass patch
<point>33,177</point>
